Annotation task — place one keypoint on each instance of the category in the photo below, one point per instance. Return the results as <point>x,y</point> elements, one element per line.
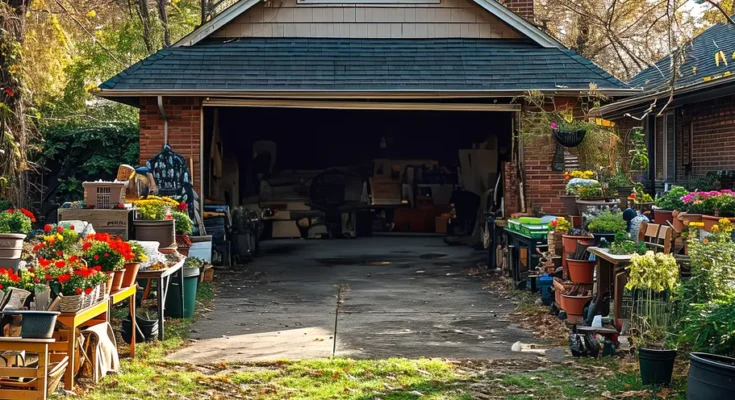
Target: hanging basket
<point>569,138</point>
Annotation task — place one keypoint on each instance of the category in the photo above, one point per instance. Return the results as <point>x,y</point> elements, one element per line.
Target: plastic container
<point>173,297</point>
<point>104,195</point>
<point>657,366</point>
<point>545,284</point>
<point>710,377</point>
<point>36,324</point>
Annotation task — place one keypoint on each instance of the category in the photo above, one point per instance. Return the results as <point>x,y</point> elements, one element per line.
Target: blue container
<point>545,283</point>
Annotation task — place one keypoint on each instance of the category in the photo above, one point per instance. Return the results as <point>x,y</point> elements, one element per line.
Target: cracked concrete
<point>403,296</point>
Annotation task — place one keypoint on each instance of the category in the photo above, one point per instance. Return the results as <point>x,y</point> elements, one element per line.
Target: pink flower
<point>553,125</point>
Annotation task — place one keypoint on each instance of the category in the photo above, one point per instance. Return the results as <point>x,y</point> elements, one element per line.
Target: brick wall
<point>183,130</point>
<point>713,136</point>
<point>542,185</point>
<point>524,8</point>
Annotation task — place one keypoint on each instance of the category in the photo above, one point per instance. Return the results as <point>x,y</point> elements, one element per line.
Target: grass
<point>151,376</point>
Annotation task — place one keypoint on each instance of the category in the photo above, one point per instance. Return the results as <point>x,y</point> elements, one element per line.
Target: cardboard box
<point>114,222</point>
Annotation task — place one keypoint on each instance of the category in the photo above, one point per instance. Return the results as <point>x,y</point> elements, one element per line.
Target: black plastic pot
<point>656,366</point>
<point>569,138</point>
<point>147,330</point>
<point>610,237</point>
<point>710,377</point>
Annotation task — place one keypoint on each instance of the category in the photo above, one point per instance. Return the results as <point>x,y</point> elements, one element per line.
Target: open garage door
<point>335,169</point>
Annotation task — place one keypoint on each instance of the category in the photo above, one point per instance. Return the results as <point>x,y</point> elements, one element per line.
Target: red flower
<point>31,269</point>
<point>47,228</point>
<point>63,278</point>
<point>60,264</point>
<point>9,92</point>
<point>59,253</point>
<point>1,286</point>
<point>183,206</point>
<point>48,277</point>
<point>107,254</point>
<point>60,230</point>
<point>72,227</point>
<point>97,268</point>
<point>44,262</point>
<point>88,290</point>
<point>37,280</point>
<point>11,211</point>
<point>2,271</point>
<point>79,291</point>
<point>86,246</point>
<point>96,256</point>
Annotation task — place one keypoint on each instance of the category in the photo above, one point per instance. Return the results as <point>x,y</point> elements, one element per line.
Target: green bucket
<point>656,366</point>
<point>173,298</point>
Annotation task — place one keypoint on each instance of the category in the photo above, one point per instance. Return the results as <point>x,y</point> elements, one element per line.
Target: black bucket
<point>147,330</point>
<point>656,366</point>
<point>710,377</point>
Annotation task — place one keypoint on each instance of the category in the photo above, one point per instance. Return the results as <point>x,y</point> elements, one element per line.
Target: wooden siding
<point>449,18</point>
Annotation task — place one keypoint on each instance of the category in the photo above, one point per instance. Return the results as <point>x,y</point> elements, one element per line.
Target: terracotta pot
<point>711,220</point>
<point>558,290</point>
<point>574,305</point>
<point>108,284</point>
<point>661,217</point>
<point>678,218</point>
<point>163,232</point>
<point>131,273</point>
<point>11,245</point>
<point>117,280</point>
<point>570,204</point>
<point>686,218</point>
<point>581,271</point>
<point>570,242</point>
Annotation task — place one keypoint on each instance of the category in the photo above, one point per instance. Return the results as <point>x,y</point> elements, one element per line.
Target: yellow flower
<point>59,237</point>
<point>715,228</point>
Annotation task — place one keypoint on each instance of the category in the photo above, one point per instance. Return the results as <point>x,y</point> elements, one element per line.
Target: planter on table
<point>662,217</point>
<point>131,273</point>
<point>582,205</point>
<point>581,271</point>
<point>70,304</point>
<point>117,279</point>
<point>110,278</point>
<point>11,248</point>
<point>161,231</point>
<point>710,377</point>
<point>570,204</point>
<point>711,220</point>
<point>656,366</point>
<point>36,324</point>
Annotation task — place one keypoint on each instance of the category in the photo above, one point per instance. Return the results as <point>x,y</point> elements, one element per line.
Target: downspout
<point>165,120</point>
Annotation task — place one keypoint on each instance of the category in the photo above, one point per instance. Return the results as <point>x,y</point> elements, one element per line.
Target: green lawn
<point>149,376</point>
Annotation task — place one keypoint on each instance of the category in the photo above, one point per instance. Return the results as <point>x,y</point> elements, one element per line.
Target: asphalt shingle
<point>363,64</point>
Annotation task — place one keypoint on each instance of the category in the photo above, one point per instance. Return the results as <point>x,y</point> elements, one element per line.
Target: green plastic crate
<point>535,231</point>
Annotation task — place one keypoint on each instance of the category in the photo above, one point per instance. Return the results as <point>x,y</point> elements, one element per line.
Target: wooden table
<point>516,242</point>
<point>87,316</point>
<point>119,296</point>
<point>611,276</point>
<point>163,277</point>
<point>40,346</point>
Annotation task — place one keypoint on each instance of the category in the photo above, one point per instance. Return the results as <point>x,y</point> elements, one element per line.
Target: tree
<point>15,132</point>
<point>164,20</point>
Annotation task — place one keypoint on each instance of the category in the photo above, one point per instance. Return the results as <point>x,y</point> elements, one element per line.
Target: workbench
<point>38,346</point>
<point>516,243</point>
<point>611,276</point>
<point>92,315</point>
<point>163,278</point>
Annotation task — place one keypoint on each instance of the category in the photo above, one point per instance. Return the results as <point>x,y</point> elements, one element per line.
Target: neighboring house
<point>394,57</point>
<point>695,134</point>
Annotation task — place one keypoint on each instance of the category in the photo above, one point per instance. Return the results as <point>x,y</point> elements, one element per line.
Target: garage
<point>352,169</point>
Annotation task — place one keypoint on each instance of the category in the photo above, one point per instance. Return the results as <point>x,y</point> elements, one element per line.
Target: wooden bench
<point>658,238</point>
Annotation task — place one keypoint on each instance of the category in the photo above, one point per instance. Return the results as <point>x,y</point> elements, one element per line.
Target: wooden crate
<point>114,222</point>
<point>207,274</point>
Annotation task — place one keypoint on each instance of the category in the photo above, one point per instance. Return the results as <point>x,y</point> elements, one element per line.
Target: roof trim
<point>492,6</point>
<point>345,94</point>
<point>642,98</point>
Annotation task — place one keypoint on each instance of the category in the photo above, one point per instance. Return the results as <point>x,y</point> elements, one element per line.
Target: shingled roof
<point>316,64</point>
<point>700,65</point>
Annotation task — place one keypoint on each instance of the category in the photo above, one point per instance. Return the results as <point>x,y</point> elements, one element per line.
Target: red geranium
<point>47,228</point>
<point>60,264</point>
<point>88,290</point>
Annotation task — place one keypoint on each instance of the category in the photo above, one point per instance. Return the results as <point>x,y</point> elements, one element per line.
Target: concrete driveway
<point>364,298</point>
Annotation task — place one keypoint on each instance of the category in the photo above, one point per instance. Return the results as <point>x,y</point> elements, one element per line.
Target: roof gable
<point>237,11</point>
<point>704,61</point>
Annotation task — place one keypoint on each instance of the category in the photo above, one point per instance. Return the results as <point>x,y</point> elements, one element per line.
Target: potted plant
<point>557,228</point>
<point>592,195</point>
<point>654,278</point>
<point>708,314</point>
<point>621,184</point>
<point>133,266</point>
<point>623,245</point>
<point>606,225</point>
<point>718,205</point>
<point>154,221</point>
<point>14,226</point>
<point>569,132</point>
<point>101,256</point>
<point>575,181</point>
<point>184,228</point>
<point>668,203</point>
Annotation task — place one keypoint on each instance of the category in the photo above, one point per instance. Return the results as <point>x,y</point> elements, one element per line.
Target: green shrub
<point>607,222</point>
<point>671,200</point>
<point>184,226</point>
<point>14,221</point>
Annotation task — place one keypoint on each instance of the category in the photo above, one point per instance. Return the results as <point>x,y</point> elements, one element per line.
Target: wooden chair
<point>658,238</point>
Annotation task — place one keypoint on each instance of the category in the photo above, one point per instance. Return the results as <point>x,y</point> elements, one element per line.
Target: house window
<point>665,148</point>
